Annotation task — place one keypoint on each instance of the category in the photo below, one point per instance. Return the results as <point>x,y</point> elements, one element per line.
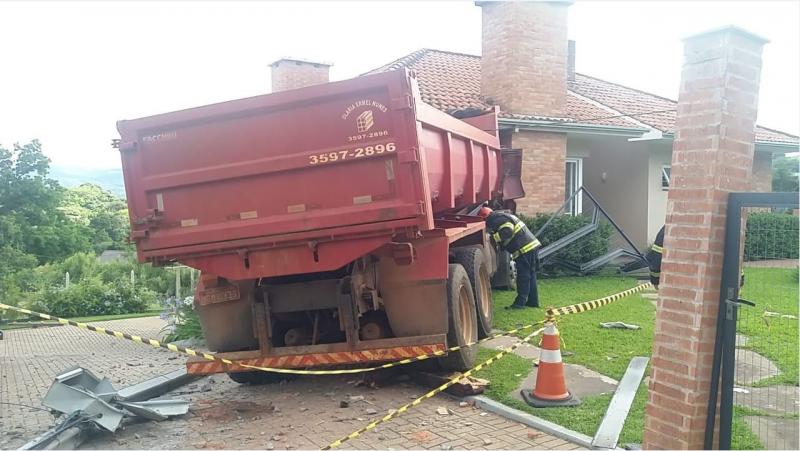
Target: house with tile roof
<point>574,129</point>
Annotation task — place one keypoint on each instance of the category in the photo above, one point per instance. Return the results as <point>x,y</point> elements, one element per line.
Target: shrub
<point>771,236</point>
<point>585,249</point>
<point>90,296</point>
<point>187,322</point>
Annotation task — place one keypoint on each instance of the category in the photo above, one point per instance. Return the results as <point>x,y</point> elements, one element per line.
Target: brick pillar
<point>712,156</point>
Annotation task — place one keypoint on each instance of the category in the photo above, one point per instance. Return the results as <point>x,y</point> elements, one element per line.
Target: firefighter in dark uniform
<point>513,236</point>
<point>654,258</point>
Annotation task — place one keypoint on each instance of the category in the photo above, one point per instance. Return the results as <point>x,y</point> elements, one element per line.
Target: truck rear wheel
<point>472,259</point>
<point>505,278</point>
<point>462,321</point>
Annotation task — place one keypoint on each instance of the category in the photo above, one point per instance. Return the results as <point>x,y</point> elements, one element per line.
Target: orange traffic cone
<point>551,386</point>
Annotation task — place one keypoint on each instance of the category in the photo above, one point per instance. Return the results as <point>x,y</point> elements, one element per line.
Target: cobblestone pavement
<point>300,414</point>
<point>305,413</point>
<point>31,358</point>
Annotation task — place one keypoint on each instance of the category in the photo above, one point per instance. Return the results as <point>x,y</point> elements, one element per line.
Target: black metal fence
<point>756,358</point>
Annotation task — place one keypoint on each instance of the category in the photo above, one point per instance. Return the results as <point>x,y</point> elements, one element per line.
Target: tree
<point>103,212</point>
<point>785,172</point>
<point>30,221</point>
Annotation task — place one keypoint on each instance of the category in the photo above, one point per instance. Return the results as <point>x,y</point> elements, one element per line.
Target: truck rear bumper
<point>336,354</point>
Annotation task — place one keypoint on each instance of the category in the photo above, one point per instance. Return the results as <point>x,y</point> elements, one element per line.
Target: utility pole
<point>66,279</point>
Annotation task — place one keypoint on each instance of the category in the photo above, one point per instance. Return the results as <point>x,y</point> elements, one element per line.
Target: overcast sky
<point>69,71</point>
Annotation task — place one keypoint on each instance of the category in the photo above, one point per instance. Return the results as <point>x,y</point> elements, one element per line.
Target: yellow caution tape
<point>212,357</point>
<point>597,303</point>
<point>551,313</point>
<point>433,392</point>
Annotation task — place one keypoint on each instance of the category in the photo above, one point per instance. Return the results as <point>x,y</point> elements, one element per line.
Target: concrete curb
<point>73,437</point>
<point>527,419</point>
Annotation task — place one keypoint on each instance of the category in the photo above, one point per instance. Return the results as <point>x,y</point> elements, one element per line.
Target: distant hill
<point>109,179</point>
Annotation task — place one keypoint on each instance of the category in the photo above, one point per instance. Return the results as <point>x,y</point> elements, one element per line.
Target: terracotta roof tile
<point>451,81</point>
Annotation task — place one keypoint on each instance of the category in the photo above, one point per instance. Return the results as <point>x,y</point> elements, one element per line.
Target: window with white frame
<point>572,182</point>
<point>665,173</point>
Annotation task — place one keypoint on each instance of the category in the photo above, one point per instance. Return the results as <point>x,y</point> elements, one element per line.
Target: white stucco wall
<point>660,155</point>
<point>616,172</point>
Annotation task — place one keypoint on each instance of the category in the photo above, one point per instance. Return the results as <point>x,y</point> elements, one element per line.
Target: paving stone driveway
<point>305,414</point>
<point>31,358</point>
<point>300,414</point>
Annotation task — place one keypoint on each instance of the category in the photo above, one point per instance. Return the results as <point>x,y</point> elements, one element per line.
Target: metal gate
<point>755,370</point>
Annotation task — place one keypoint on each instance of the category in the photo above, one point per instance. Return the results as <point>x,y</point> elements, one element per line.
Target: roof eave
<point>764,146</point>
<point>570,127</point>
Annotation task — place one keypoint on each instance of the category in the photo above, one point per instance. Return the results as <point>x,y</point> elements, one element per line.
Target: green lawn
<point>774,290</point>
<point>607,351</point>
<point>507,373</point>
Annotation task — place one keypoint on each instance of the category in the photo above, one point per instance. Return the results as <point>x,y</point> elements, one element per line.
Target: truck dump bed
<point>299,181</point>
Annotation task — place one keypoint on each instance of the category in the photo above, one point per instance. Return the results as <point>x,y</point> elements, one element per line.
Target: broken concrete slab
<point>752,367</point>
<point>525,350</point>
<point>775,433</point>
<point>778,399</point>
<point>501,342</point>
<point>581,382</point>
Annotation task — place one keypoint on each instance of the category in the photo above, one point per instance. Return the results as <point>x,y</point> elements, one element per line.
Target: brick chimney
<point>524,70</point>
<point>524,63</point>
<point>571,60</point>
<point>292,73</point>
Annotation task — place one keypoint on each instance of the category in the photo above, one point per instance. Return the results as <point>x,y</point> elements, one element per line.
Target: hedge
<point>585,249</point>
<point>771,236</point>
<point>91,296</point>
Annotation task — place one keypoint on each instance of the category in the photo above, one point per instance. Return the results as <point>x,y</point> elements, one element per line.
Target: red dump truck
<point>328,222</point>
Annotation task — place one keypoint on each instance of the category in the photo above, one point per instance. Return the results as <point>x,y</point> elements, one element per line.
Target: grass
<point>507,373</point>
<point>607,351</point>
<point>774,290</point>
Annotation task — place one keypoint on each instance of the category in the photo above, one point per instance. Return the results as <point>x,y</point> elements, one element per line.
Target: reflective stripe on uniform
<point>527,248</point>
<point>657,249</point>
<point>505,225</point>
<point>655,274</point>
<point>496,237</point>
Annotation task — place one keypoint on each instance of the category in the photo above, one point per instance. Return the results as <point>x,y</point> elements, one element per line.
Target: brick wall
<point>524,62</point>
<point>543,169</point>
<point>712,156</point>
<point>762,173</point>
<point>292,74</point>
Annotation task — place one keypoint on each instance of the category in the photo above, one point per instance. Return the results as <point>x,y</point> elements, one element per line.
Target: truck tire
<point>506,276</point>
<point>473,261</point>
<point>257,377</point>
<point>462,321</point>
